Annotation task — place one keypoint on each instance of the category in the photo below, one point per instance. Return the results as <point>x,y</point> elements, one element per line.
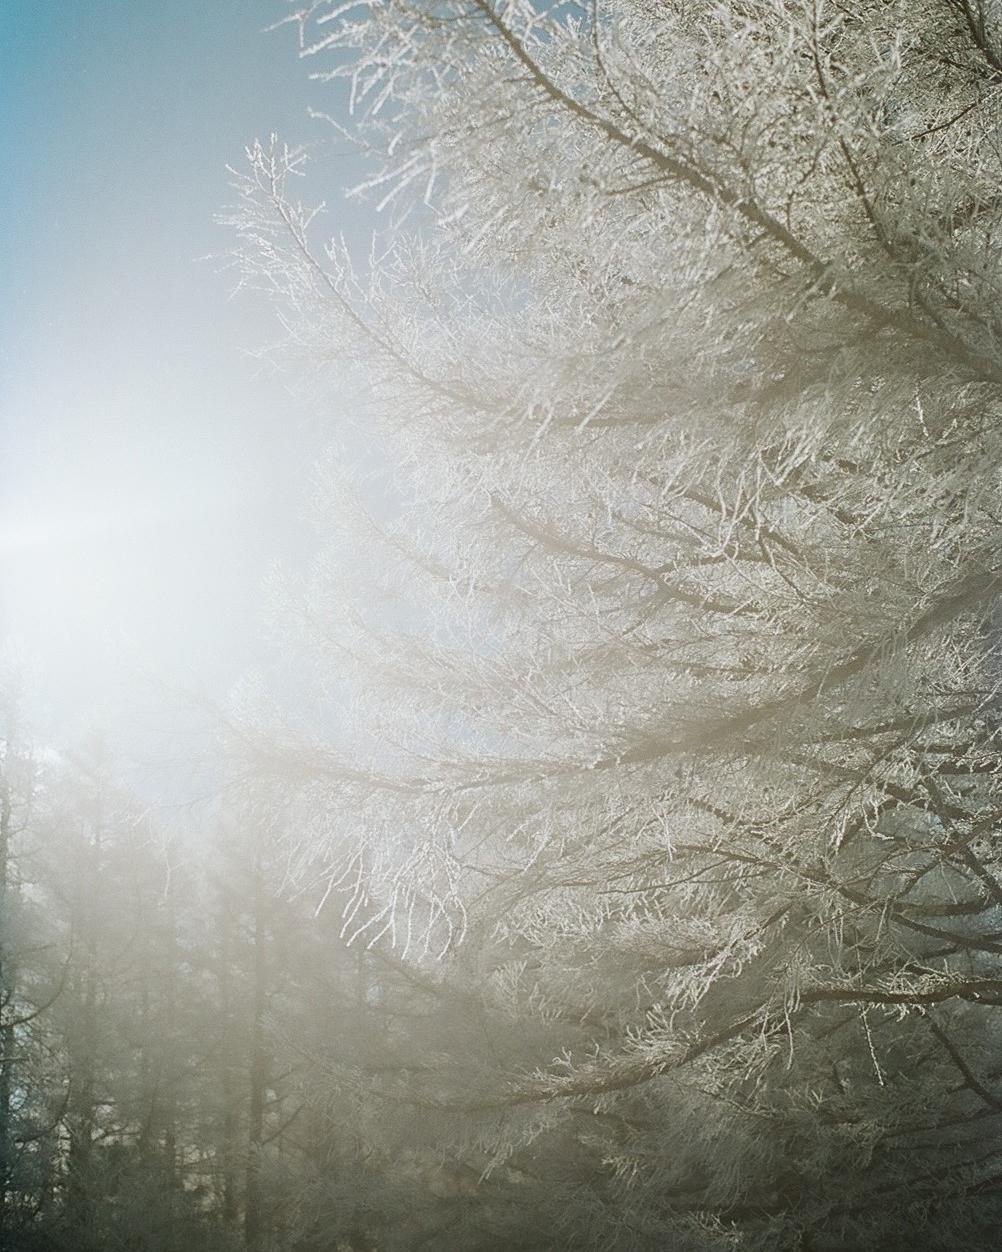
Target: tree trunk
<point>83,1052</point>
<point>254,1216</point>
<point>7,1041</point>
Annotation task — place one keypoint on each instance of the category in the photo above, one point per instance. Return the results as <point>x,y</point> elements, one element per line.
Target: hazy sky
<point>149,475</point>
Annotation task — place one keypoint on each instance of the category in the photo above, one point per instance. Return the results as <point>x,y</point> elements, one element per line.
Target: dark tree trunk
<point>254,1216</point>
<point>7,1040</point>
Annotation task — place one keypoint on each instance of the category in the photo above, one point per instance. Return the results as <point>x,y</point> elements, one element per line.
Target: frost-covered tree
<point>656,623</point>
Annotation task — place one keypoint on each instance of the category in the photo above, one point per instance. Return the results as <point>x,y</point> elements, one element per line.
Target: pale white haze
<point>520,768</point>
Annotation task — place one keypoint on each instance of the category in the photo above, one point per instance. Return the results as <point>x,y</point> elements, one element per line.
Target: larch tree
<point>656,623</point>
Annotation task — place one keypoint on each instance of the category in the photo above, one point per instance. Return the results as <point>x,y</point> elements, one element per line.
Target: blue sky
<point>149,475</point>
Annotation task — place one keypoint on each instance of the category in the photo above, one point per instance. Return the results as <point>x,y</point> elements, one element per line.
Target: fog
<point>500,561</point>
